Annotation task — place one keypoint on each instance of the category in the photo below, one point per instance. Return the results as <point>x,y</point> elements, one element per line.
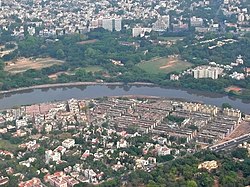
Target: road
<point>231,143</point>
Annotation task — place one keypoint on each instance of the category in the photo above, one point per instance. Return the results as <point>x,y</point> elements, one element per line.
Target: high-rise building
<point>207,72</point>
<point>118,24</point>
<point>107,24</point>
<point>112,24</point>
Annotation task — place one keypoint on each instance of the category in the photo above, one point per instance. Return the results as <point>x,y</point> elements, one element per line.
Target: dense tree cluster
<point>184,172</point>
<point>99,46</point>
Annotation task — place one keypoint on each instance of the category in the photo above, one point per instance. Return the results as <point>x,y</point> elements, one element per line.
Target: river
<point>28,97</point>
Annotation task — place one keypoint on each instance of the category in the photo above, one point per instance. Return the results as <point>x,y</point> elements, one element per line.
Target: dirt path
<point>169,64</point>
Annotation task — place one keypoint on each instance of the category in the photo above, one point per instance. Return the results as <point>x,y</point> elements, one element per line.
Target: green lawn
<point>93,69</point>
<point>164,65</point>
<point>6,145</point>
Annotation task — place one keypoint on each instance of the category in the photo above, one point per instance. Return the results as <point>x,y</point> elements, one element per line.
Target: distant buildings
<point>208,165</point>
<point>60,179</point>
<point>207,72</point>
<point>196,22</point>
<point>52,156</point>
<point>237,76</point>
<point>3,180</point>
<point>162,24</point>
<point>68,143</point>
<point>110,24</point>
<point>34,182</point>
<point>180,26</point>
<point>174,77</point>
<point>241,17</point>
<point>139,31</point>
<point>238,61</point>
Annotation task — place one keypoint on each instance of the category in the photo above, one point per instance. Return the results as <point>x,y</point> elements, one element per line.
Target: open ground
<point>23,64</point>
<point>164,65</point>
<point>87,42</point>
<point>235,89</point>
<point>6,145</point>
<point>3,51</point>
<point>92,69</point>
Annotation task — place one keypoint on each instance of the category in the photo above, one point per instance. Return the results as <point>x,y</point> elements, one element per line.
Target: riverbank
<point>89,90</point>
<point>57,85</point>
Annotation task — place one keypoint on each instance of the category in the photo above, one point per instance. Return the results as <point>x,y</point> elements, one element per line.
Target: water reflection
<point>82,92</point>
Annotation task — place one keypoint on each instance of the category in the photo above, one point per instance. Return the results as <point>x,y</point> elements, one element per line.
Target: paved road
<point>231,143</point>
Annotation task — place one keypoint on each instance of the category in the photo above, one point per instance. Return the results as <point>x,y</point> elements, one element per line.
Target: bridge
<point>230,144</point>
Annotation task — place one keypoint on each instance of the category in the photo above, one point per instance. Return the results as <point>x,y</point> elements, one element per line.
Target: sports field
<point>24,64</point>
<point>164,65</point>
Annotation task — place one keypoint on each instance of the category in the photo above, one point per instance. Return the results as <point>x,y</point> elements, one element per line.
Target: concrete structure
<point>207,72</point>
<point>112,24</point>
<point>139,31</point>
<point>162,23</point>
<point>68,143</point>
<point>34,182</point>
<point>21,123</point>
<point>241,17</point>
<point>118,24</point>
<point>208,165</point>
<point>196,22</point>
<point>107,23</point>
<point>52,156</point>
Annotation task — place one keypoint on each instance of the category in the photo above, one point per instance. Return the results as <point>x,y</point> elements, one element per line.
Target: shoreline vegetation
<point>118,59</point>
<point>94,83</point>
<point>55,85</point>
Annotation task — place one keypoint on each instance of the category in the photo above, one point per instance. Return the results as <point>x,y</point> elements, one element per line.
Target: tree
<point>191,183</point>
<point>205,180</point>
<point>229,180</point>
<point>60,54</point>
<point>240,153</point>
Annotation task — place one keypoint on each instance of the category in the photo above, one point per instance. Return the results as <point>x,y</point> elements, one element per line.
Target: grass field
<point>92,69</point>
<point>6,145</point>
<point>164,65</point>
<point>24,64</point>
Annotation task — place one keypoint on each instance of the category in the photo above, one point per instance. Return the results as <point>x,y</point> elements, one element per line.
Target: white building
<point>162,24</point>
<point>68,143</point>
<point>196,22</point>
<point>21,123</point>
<point>107,23</point>
<point>174,77</point>
<point>112,24</point>
<point>207,72</point>
<point>52,156</point>
<point>139,31</point>
<point>118,24</point>
<point>122,144</point>
<point>241,17</point>
<point>91,175</point>
<point>163,151</point>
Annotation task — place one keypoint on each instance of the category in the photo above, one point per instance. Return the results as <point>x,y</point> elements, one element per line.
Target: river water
<point>85,92</point>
